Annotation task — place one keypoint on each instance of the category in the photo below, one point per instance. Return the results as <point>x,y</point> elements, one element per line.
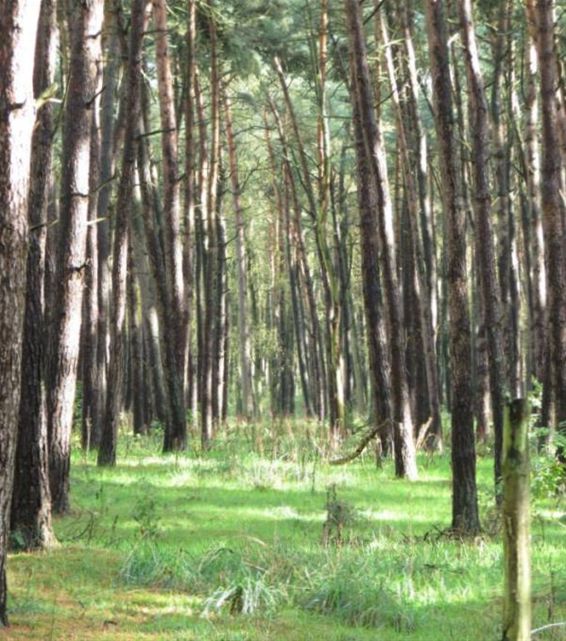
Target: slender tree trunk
<point>176,440</point>
<point>465,516</point>
<point>85,29</point>
<point>379,360</point>
<point>108,444</point>
<point>553,208</point>
<point>479,129</point>
<point>108,129</point>
<point>405,455</point>
<point>241,268</point>
<point>516,524</point>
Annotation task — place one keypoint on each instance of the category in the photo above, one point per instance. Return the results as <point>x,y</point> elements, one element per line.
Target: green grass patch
<point>230,546</point>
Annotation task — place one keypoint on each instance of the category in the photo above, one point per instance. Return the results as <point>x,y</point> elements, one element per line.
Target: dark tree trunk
<point>479,130</point>
<point>108,444</point>
<point>403,429</point>
<point>465,516</point>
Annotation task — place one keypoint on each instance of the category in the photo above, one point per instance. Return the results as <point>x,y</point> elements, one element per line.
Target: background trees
<point>195,249</point>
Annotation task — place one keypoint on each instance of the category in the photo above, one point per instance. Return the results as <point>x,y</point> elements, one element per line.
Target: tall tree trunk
<point>18,25</point>
<point>176,440</point>
<point>417,284</point>
<point>465,516</point>
<point>108,129</point>
<point>241,268</point>
<point>379,360</point>
<point>190,204</point>
<point>85,29</point>
<point>479,130</point>
<point>405,455</point>
<point>108,444</point>
<point>31,502</point>
<point>541,13</point>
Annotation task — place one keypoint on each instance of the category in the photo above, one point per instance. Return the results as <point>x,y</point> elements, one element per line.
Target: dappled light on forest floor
<point>194,548</point>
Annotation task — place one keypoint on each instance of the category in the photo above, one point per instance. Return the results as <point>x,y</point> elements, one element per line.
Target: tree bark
<point>85,29</point>
<point>403,429</point>
<point>465,516</point>
<point>31,501</point>
<point>516,523</point>
<point>18,25</point>
<point>479,130</point>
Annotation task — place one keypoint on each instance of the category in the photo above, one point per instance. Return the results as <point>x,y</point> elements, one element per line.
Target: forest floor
<point>229,546</point>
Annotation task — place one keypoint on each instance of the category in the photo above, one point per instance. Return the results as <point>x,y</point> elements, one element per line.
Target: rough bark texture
<point>31,503</point>
<point>479,130</point>
<point>553,206</point>
<point>171,201</point>
<point>405,456</point>
<point>464,492</point>
<point>108,444</point>
<point>85,29</point>
<point>18,25</point>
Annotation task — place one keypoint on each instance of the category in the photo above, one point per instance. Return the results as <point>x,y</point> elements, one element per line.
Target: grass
<point>228,546</point>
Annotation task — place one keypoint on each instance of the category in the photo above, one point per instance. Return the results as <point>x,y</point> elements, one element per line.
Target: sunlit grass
<point>228,546</point>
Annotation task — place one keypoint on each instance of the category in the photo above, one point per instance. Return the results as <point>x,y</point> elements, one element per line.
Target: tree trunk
<point>18,25</point>
<point>465,517</point>
<point>405,455</point>
<point>85,29</point>
<point>177,439</point>
<point>31,502</point>
<point>479,129</point>
<point>516,523</point>
<point>553,207</point>
<point>241,269</point>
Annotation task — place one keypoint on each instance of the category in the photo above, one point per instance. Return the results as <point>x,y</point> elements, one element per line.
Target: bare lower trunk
<point>464,492</point>
<point>31,502</point>
<point>85,28</point>
<point>18,25</point>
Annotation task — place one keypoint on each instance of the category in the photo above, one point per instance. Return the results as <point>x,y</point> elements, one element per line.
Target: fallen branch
<point>361,447</point>
<point>548,627</point>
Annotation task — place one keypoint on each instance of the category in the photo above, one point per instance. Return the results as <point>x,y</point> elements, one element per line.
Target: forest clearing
<point>157,548</point>
<point>283,320</point>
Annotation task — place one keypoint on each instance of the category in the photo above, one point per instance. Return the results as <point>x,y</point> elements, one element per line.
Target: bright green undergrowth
<point>229,546</point>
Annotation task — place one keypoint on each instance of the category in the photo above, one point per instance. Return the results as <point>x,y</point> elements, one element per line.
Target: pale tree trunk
<point>465,516</point>
<point>85,29</point>
<point>533,166</point>
<point>241,268</point>
<point>31,502</point>
<point>89,339</point>
<point>516,523</point>
<point>18,25</point>
<point>403,429</point>
<point>190,203</point>
<point>418,284</point>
